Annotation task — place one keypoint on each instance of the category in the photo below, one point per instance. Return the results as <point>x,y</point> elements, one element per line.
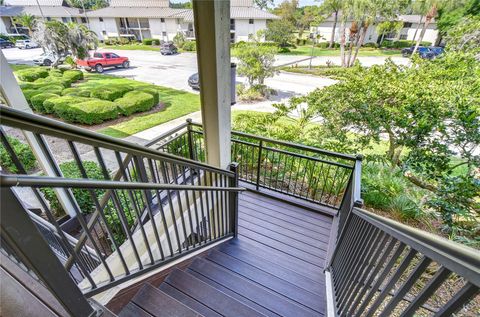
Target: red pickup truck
<point>101,60</point>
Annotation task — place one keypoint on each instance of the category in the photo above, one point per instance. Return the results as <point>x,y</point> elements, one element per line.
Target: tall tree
<point>263,4</point>
<point>88,4</point>
<point>280,32</point>
<point>306,16</point>
<point>288,10</point>
<point>332,7</point>
<point>28,21</point>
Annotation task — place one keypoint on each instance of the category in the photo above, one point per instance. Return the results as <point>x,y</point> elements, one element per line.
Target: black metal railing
<point>383,268</point>
<point>134,208</point>
<point>296,170</point>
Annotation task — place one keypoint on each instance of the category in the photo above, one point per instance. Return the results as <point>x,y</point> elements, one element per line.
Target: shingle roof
<point>412,18</point>
<point>240,13</point>
<point>131,12</point>
<point>34,2</point>
<point>139,3</point>
<point>48,11</point>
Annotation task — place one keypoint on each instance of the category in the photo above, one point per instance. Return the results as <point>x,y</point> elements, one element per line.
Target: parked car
<point>102,60</point>
<point>422,51</point>
<point>194,82</point>
<point>168,49</point>
<point>437,50</point>
<point>48,58</point>
<point>24,44</point>
<point>6,44</point>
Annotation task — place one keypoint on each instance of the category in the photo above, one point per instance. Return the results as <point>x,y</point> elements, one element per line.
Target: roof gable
<point>34,2</point>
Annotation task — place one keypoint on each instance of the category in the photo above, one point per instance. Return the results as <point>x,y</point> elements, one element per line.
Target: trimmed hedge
<point>151,41</point>
<point>29,93</point>
<point>54,89</point>
<point>32,74</point>
<point>189,46</point>
<point>82,196</point>
<point>76,92</point>
<point>73,75</point>
<point>50,104</point>
<point>38,100</point>
<point>110,92</point>
<point>55,73</point>
<point>23,152</point>
<point>402,43</point>
<point>152,91</point>
<point>53,81</point>
<point>135,101</point>
<point>92,111</point>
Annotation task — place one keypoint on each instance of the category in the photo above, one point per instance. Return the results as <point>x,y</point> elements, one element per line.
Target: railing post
<point>233,199</point>
<point>192,154</point>
<point>259,162</point>
<point>28,244</point>
<point>357,181</point>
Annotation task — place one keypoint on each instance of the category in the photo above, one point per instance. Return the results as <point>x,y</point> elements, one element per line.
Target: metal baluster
<point>259,164</point>
<point>458,300</point>
<point>179,201</point>
<point>170,203</point>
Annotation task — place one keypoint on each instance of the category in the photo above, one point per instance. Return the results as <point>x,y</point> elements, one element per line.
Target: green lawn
<point>307,51</point>
<point>132,47</point>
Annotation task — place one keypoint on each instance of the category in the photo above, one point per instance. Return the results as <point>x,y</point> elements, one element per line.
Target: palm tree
<point>81,39</point>
<point>329,7</point>
<point>26,20</point>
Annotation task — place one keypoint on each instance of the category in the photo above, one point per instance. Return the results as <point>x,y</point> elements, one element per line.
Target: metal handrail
<point>454,256</point>
<point>289,144</point>
<point>42,181</point>
<point>43,125</point>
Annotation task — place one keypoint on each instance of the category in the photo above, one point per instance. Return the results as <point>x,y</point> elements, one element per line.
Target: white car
<point>48,58</point>
<point>21,44</point>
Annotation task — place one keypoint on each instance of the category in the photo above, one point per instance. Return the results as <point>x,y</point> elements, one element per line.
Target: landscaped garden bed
<point>111,105</point>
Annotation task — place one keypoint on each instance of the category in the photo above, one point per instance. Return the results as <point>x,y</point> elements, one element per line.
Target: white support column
<point>212,31</point>
<point>14,97</point>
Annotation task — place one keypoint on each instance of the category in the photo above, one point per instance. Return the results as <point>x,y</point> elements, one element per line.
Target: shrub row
<point>118,41</point>
<point>190,46</point>
<point>32,74</point>
<point>135,101</point>
<point>23,152</point>
<point>151,41</point>
<point>402,44</point>
<point>110,92</point>
<point>91,111</point>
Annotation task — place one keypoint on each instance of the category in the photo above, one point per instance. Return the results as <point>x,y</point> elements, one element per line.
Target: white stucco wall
<point>431,33</point>
<point>3,25</point>
<point>243,28</point>
<point>172,28</point>
<point>97,27</point>
<point>156,28</point>
<point>110,26</point>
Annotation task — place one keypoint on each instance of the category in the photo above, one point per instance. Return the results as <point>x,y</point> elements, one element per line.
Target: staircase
<point>237,278</point>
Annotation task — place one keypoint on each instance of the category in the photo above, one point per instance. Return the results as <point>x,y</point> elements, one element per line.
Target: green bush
<point>110,92</point>
<point>54,89</point>
<point>32,74</point>
<point>62,101</point>
<point>38,100</point>
<point>323,45</point>
<point>23,152</point>
<point>371,44</point>
<point>55,73</point>
<point>179,40</point>
<point>190,46</point>
<point>73,75</point>
<point>53,81</point>
<point>147,41</point>
<point>135,101</point>
<point>29,93</point>
<point>92,111</point>
<point>82,196</point>
<point>74,91</point>
<point>152,91</point>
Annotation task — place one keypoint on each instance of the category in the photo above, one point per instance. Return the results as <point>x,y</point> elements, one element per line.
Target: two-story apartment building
<point>136,19</point>
<point>412,25</point>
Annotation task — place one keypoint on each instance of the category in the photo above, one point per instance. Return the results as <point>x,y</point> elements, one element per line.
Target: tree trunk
<point>334,28</point>
<point>363,33</point>
<point>342,42</point>
<point>416,30</point>
<point>353,41</point>
<point>428,18</point>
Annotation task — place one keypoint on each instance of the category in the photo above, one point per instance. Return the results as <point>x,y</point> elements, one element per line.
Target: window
<point>407,24</point>
<point>97,55</point>
<point>101,19</point>
<point>164,33</point>
<point>84,20</point>
<point>232,37</point>
<point>49,19</point>
<point>232,24</point>
<point>162,20</point>
<point>403,36</point>
<point>104,32</point>
<point>113,55</point>
<point>250,21</point>
<point>64,20</point>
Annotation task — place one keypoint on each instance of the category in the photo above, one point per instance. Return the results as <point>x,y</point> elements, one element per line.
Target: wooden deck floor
<point>274,268</point>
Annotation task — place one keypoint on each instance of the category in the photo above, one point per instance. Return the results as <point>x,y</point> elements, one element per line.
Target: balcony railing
<point>154,209</point>
<point>303,172</point>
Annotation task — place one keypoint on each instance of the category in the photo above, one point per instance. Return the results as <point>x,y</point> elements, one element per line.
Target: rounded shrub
<point>53,81</point>
<point>190,46</point>
<point>73,75</point>
<point>54,89</point>
<point>29,93</point>
<point>74,91</point>
<point>147,41</point>
<point>50,104</point>
<point>55,73</point>
<point>135,101</point>
<point>110,92</point>
<point>82,196</point>
<point>152,91</point>
<point>38,100</point>
<point>23,152</point>
<point>92,111</point>
<point>32,74</point>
